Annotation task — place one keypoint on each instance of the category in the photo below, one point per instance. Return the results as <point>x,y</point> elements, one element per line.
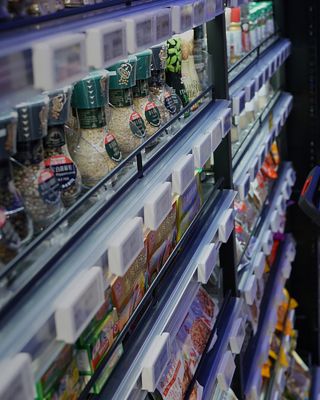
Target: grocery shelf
<point>105,194</point>
<point>240,67</point>
<point>16,44</point>
<point>258,349</point>
<point>212,362</point>
<point>80,253</point>
<point>126,375</point>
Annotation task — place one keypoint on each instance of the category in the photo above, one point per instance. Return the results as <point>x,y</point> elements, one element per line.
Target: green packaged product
<point>54,373</point>
<point>93,348</point>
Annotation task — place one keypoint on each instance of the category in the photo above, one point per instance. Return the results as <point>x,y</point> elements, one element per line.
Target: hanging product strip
<point>272,222</point>
<point>258,350</point>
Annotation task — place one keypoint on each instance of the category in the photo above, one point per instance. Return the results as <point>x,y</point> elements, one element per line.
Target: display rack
<point>79,240</point>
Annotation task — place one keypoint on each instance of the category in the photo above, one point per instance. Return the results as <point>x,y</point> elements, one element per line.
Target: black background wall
<point>299,21</point>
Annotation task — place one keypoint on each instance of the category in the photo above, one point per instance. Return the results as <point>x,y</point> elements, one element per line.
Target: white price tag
<point>237,335</point>
<point>226,225</point>
<point>59,61</point>
<point>210,9</point>
<point>157,206</point>
<point>125,245</point>
<point>275,221</point>
<point>289,107</point>
<point>291,252</point>
<point>254,169</point>
<point>242,185</point>
<point>182,174</point>
<point>250,290</point>
<point>250,91</point>
<point>271,72</point>
<point>78,304</point>
<point>140,29</point>
<point>291,176</point>
<point>163,24</point>
<point>226,121</point>
<point>199,12</point>
<point>286,269</point>
<point>216,134</point>
<point>226,370</point>
<point>259,81</point>
<point>207,262</point>
<point>105,44</point>
<point>267,242</point>
<point>261,154</point>
<point>286,190</point>
<point>17,381</point>
<point>155,362</point>
<point>202,151</point>
<point>259,264</point>
<point>281,205</point>
<point>266,74</point>
<point>182,17</point>
<point>279,125</point>
<point>238,103</point>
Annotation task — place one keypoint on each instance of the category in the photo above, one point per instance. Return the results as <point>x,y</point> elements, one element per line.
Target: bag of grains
<point>96,151</point>
<point>38,185</point>
<point>57,156</point>
<point>15,224</point>
<point>126,124</point>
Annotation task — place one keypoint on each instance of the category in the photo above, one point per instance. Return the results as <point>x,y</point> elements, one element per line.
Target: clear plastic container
<point>15,224</point>
<point>126,123</point>
<point>170,103</point>
<point>38,184</point>
<point>57,156</point>
<point>144,103</point>
<point>95,150</point>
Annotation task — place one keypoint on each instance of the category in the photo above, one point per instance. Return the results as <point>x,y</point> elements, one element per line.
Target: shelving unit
<point>81,237</point>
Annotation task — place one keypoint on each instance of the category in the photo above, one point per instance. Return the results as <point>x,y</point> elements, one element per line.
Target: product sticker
<point>152,114</point>
<point>137,125</point>
<point>112,147</point>
<point>48,186</point>
<point>172,103</point>
<point>64,170</point>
